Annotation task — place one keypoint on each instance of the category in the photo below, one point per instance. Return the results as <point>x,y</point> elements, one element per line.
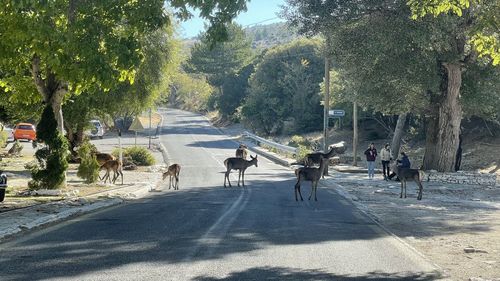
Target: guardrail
<point>281,147</point>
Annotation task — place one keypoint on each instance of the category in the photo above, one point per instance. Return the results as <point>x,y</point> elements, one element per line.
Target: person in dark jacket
<point>403,163</point>
<point>371,155</point>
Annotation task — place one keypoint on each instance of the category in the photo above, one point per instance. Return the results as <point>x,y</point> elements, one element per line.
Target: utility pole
<point>326,102</point>
<point>355,136</point>
<point>150,128</point>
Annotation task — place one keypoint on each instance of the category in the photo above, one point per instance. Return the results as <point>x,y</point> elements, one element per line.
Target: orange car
<point>25,131</point>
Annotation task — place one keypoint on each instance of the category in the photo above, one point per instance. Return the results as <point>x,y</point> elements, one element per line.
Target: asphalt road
<point>206,232</point>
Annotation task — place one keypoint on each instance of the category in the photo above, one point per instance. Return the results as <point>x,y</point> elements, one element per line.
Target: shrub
<point>89,167</point>
<point>140,155</point>
<point>52,163</point>
<point>302,151</point>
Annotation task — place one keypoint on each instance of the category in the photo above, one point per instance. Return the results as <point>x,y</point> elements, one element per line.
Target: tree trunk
<point>51,89</point>
<point>443,125</point>
<point>398,135</point>
<point>450,116</point>
<point>355,135</point>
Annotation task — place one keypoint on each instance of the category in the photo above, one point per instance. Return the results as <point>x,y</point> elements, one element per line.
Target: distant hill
<point>269,35</point>
<point>263,36</point>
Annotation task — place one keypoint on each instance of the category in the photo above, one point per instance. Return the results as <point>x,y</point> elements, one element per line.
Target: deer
<point>311,174</point>
<point>116,167</point>
<point>315,157</point>
<point>173,171</point>
<point>239,164</point>
<point>241,152</point>
<point>103,157</point>
<point>405,174</point>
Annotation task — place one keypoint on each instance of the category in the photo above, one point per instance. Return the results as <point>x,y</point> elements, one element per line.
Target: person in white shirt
<point>385,156</point>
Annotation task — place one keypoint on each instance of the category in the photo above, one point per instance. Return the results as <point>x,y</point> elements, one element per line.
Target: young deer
<point>116,167</point>
<point>315,157</point>
<point>173,171</point>
<point>238,164</point>
<point>405,174</point>
<point>310,174</point>
<point>103,157</point>
<point>241,152</point>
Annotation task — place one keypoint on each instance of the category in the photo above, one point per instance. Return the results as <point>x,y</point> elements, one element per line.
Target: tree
<point>411,66</point>
<point>234,90</point>
<point>285,86</point>
<point>222,60</point>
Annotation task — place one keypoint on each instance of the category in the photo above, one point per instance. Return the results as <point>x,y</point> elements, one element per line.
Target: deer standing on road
<point>173,171</point>
<point>239,164</point>
<point>241,152</point>
<point>116,167</point>
<point>315,157</point>
<point>310,174</point>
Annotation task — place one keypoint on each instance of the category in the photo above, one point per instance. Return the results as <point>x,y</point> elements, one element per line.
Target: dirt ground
<point>17,192</point>
<point>456,226</point>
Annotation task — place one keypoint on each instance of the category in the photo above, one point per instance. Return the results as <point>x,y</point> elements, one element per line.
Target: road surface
<point>206,232</point>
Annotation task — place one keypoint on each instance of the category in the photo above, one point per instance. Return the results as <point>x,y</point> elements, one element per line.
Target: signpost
<point>336,113</point>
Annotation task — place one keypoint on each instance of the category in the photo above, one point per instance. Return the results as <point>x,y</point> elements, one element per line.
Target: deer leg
<point>239,176</point>
<point>227,176</point>
<point>312,189</point>
<point>176,182</point>
<point>243,177</point>
<point>420,189</point>
<point>315,191</point>
<point>405,187</point>
<point>401,194</point>
<point>297,188</point>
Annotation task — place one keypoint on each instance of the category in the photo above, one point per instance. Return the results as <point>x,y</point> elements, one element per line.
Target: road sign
<point>336,113</point>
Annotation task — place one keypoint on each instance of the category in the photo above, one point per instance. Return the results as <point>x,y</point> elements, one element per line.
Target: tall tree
<point>285,87</point>
<point>410,66</point>
<point>222,60</point>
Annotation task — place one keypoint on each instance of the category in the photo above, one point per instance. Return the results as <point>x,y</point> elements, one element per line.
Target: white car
<point>10,133</point>
<point>96,130</point>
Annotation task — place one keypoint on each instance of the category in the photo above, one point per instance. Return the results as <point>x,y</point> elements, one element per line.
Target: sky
<point>258,11</point>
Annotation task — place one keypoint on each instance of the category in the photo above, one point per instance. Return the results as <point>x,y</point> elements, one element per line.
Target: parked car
<point>25,131</point>
<point>10,133</point>
<point>96,129</point>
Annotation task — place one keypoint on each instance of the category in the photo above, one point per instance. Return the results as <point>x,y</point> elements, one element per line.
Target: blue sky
<point>257,11</point>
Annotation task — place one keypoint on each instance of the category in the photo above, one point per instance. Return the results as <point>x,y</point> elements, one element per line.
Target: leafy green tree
<point>234,91</point>
<point>410,65</point>
<point>285,87</point>
<point>191,92</point>
<point>223,60</point>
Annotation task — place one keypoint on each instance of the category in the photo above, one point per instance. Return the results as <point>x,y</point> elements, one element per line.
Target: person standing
<point>404,163</point>
<point>385,156</point>
<point>371,155</point>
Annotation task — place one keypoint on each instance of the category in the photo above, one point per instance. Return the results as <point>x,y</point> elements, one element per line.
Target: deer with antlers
<point>239,164</point>
<point>173,171</point>
<point>112,165</point>
<point>310,174</point>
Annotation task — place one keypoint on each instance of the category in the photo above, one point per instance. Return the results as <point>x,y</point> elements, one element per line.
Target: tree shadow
<point>290,274</point>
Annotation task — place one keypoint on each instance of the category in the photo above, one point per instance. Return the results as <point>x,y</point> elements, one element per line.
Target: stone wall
<point>461,177</point>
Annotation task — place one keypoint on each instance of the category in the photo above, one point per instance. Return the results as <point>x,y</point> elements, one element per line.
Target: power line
<point>262,21</point>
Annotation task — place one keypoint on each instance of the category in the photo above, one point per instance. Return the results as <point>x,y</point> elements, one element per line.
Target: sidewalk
<point>456,226</point>
<point>136,184</point>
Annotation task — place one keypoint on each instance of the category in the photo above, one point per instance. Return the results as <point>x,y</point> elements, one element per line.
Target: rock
<point>47,192</point>
<point>469,249</point>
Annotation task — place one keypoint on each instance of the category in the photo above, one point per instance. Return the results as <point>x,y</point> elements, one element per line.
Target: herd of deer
<point>308,172</point>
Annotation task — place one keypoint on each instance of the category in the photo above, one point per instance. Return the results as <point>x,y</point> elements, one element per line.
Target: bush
<point>89,167</point>
<point>302,151</point>
<point>140,155</point>
<point>50,172</point>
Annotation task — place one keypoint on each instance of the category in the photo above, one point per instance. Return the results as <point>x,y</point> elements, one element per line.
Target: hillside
<point>269,35</point>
